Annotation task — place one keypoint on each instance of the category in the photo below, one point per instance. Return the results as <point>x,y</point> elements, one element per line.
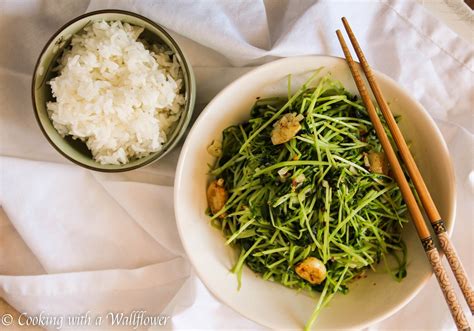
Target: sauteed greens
<point>305,177</point>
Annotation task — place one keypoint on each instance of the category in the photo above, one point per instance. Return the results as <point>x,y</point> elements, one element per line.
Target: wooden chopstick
<point>415,175</point>
<point>414,210</point>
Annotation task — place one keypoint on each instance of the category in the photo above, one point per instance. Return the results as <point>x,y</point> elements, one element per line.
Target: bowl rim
<point>387,79</point>
<point>187,111</point>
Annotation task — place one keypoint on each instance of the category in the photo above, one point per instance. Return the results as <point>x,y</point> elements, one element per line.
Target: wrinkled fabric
<point>73,241</point>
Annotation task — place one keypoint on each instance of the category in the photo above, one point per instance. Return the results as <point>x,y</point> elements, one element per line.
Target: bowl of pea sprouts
<point>285,202</point>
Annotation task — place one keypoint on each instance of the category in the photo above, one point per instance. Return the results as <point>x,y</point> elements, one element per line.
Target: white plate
<point>369,300</point>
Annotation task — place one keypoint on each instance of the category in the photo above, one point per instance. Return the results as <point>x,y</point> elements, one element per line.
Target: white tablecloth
<point>73,240</point>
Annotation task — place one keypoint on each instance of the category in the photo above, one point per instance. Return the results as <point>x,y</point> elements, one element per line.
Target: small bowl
<point>370,299</point>
<point>76,150</point>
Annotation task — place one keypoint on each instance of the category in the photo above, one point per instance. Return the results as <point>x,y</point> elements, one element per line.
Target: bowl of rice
<point>112,91</point>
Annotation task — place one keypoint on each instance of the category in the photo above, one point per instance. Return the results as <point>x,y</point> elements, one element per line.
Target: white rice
<point>116,95</point>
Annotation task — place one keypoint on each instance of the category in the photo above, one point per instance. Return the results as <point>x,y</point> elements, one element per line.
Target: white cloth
<point>73,241</point>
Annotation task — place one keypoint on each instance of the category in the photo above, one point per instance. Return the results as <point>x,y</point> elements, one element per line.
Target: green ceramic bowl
<point>76,150</point>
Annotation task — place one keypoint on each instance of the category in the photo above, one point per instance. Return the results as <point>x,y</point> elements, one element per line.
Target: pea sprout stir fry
<point>303,191</point>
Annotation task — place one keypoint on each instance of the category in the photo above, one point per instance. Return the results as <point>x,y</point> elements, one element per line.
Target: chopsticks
<point>420,186</point>
<point>421,189</point>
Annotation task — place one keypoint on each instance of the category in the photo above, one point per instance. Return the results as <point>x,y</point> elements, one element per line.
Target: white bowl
<point>369,300</point>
